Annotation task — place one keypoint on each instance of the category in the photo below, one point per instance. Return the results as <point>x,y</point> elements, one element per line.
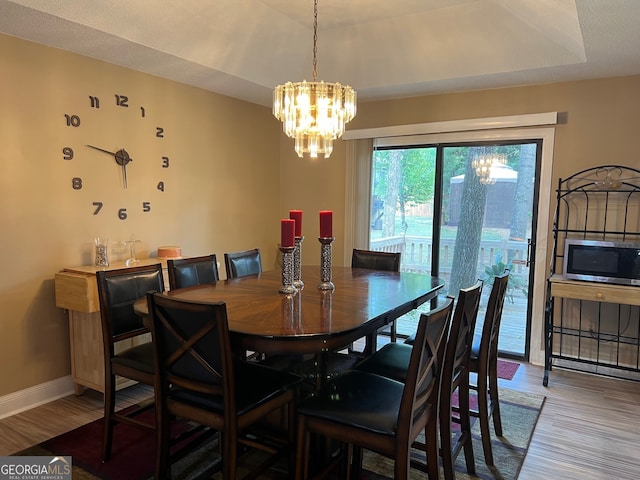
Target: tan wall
<point>311,186</point>
<point>222,188</point>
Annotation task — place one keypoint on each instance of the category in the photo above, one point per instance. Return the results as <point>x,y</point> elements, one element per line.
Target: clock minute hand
<point>102,150</point>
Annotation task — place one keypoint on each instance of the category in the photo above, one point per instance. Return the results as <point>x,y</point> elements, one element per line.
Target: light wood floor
<point>589,427</point>
<point>34,426</point>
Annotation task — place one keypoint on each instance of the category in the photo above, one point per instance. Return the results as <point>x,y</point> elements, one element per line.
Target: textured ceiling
<point>383,48</point>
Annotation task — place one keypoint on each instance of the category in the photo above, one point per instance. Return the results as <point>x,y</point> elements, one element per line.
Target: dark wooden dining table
<point>312,321</point>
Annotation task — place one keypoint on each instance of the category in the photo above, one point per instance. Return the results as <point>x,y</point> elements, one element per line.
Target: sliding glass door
<point>461,212</point>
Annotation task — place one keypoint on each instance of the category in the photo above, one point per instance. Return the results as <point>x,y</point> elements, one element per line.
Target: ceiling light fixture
<point>314,113</point>
<point>483,164</point>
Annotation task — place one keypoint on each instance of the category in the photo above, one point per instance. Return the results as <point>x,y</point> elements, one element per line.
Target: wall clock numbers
<point>105,153</point>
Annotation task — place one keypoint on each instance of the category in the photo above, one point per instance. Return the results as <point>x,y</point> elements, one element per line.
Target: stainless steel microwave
<point>598,261</point>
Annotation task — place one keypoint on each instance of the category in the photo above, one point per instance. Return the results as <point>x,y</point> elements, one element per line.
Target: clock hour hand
<point>124,174</point>
<point>122,159</point>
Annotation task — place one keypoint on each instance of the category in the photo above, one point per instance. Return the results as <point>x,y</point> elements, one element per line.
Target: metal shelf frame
<point>589,324</point>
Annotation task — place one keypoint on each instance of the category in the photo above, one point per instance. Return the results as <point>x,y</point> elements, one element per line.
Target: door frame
<point>487,130</point>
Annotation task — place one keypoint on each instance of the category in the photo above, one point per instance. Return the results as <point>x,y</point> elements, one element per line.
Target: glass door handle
<point>530,247</point>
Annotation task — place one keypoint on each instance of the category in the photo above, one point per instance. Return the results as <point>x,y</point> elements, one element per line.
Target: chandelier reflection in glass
<point>314,113</point>
<point>483,165</point>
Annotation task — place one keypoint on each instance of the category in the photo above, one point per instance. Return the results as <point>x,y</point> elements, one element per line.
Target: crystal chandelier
<point>314,113</point>
<point>483,164</point>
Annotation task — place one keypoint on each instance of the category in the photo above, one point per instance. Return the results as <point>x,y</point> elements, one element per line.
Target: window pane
<point>403,184</point>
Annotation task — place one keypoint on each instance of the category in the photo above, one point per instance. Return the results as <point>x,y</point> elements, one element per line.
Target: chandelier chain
<point>315,40</point>
<point>314,113</point>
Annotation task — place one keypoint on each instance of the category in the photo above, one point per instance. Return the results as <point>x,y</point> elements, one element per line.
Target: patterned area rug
<point>506,369</point>
<point>519,413</point>
<point>134,451</point>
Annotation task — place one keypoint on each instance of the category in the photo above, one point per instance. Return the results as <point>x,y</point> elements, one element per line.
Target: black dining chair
<point>369,411</point>
<point>375,260</point>
<point>484,362</point>
<point>243,263</point>
<point>118,290</point>
<point>199,380</point>
<point>392,361</point>
<point>455,376</point>
<point>188,272</point>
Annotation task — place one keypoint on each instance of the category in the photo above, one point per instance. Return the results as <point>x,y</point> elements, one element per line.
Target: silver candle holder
<point>287,287</point>
<point>325,264</point>
<point>297,264</point>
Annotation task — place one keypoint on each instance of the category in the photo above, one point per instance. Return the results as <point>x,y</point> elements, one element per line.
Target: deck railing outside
<point>417,252</point>
<point>416,257</point>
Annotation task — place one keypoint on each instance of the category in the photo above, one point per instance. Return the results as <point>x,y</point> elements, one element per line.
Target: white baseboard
<point>35,396</point>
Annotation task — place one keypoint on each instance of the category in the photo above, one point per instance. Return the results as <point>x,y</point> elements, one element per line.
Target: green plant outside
<point>515,284</point>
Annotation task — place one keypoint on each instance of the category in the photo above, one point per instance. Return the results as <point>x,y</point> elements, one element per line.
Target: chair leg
<point>401,464</point>
<point>291,436</point>
<point>446,447</point>
<point>493,395</point>
<point>163,463</point>
<point>302,450</point>
<point>356,455</point>
<point>431,450</point>
<point>109,408</point>
<point>483,414</point>
<point>394,332</point>
<point>229,454</point>
<point>465,425</point>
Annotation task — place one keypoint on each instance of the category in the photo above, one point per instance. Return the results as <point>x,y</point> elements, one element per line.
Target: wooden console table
<point>76,291</point>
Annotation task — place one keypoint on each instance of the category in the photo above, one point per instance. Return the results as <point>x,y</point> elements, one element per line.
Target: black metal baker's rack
<point>600,203</point>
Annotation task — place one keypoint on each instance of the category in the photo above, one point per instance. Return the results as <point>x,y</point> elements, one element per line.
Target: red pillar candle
<point>326,224</point>
<point>287,227</point>
<point>297,216</point>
